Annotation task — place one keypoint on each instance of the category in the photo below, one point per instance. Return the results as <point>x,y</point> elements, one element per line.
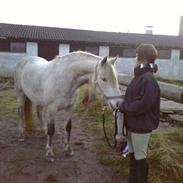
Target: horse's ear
<point>104,60</point>
<point>113,60</point>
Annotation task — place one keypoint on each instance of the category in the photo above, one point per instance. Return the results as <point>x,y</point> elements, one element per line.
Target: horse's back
<point>27,60</point>
<point>25,65</point>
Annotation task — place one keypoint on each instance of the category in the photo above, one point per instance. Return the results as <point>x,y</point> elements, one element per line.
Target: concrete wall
<point>8,62</point>
<point>171,69</point>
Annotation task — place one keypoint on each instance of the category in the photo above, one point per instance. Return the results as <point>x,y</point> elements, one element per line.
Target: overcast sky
<point>105,15</point>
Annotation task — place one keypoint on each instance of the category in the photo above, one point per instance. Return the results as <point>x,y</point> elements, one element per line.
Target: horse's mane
<point>81,55</point>
<point>77,55</point>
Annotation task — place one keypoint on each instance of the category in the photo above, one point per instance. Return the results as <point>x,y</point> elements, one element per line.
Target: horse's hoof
<point>69,153</point>
<point>21,139</point>
<point>50,159</point>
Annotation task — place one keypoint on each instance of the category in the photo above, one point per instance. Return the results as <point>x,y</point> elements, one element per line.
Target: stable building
<point>17,41</point>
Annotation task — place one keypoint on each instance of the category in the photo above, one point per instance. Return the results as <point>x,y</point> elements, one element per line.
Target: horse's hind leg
<point>21,114</point>
<point>39,111</point>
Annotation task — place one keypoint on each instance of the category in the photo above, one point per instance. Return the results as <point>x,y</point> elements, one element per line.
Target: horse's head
<point>105,79</point>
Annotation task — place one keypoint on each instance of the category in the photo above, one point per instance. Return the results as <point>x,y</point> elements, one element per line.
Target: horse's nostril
<point>114,104</point>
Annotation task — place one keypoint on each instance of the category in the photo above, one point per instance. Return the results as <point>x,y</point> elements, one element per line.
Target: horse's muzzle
<point>114,104</point>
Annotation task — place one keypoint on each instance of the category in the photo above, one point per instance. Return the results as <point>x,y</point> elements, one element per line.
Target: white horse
<point>53,85</point>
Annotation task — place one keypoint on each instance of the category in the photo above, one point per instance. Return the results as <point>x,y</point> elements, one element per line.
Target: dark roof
<point>27,32</point>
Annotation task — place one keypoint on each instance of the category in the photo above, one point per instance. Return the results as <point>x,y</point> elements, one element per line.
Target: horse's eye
<point>104,79</point>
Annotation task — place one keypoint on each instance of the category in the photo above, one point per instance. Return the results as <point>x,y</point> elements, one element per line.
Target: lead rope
<point>124,129</point>
<point>112,146</point>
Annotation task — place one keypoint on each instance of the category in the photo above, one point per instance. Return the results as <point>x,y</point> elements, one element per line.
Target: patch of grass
<point>120,163</point>
<point>8,104</point>
<point>165,147</point>
<point>175,134</point>
<point>165,156</point>
<point>95,106</point>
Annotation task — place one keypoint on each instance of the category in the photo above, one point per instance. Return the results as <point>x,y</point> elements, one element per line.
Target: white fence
<point>8,63</point>
<point>167,69</point>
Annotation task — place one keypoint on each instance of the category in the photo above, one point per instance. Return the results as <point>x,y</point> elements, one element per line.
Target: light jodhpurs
<point>138,144</point>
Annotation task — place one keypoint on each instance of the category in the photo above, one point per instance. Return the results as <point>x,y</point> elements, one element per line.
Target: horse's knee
<point>20,111</point>
<point>39,113</point>
<point>51,129</point>
<point>39,109</point>
<point>69,126</point>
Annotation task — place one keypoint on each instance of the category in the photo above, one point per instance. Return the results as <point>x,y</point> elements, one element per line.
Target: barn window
<point>4,46</point>
<point>129,52</point>
<point>164,54</point>
<point>92,49</point>
<point>17,47</point>
<point>115,51</point>
<point>77,47</point>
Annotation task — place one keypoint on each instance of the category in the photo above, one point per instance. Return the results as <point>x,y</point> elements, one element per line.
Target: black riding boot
<point>142,171</point>
<point>133,169</point>
<point>132,178</point>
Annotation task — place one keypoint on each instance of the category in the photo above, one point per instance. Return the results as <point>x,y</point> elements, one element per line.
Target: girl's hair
<point>146,52</point>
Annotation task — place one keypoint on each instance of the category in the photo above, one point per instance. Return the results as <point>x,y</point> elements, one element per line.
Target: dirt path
<point>24,162</point>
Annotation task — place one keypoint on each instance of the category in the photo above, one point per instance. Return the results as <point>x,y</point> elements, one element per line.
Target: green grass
<point>8,104</point>
<point>165,147</point>
<point>165,156</point>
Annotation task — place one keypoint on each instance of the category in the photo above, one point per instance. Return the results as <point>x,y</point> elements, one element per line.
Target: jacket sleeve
<point>147,98</point>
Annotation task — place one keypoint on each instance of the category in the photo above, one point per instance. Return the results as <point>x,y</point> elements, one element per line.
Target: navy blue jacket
<point>141,106</point>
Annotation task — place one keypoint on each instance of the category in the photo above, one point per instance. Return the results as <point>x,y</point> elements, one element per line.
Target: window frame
<point>18,47</point>
<point>116,51</point>
<point>162,55</point>
<point>128,54</point>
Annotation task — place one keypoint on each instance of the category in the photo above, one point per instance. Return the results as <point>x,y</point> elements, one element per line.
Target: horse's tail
<point>29,125</point>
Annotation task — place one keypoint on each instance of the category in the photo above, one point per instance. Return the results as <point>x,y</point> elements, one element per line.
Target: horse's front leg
<point>50,133</point>
<point>67,134</point>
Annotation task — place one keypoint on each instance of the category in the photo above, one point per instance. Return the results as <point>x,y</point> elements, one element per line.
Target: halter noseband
<point>96,83</point>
